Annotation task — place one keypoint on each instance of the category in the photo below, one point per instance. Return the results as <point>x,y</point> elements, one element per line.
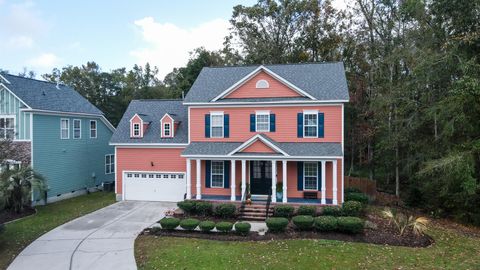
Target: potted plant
<point>279,191</point>
<point>248,196</point>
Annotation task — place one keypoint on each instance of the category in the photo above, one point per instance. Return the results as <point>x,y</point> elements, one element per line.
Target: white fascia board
<point>254,139</point>
<point>161,119</point>
<point>5,79</point>
<point>267,103</point>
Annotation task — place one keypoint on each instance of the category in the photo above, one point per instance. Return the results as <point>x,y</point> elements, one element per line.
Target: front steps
<point>255,212</point>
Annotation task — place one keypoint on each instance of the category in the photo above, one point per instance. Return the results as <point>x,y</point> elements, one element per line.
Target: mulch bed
<point>383,234</point>
<point>6,216</point>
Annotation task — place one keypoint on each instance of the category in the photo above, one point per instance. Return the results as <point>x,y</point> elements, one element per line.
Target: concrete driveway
<point>103,239</point>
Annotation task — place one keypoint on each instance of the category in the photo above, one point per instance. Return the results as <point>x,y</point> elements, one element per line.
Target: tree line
<point>413,71</point>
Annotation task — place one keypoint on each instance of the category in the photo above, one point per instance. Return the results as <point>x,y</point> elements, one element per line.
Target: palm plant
<point>402,222</point>
<point>17,187</point>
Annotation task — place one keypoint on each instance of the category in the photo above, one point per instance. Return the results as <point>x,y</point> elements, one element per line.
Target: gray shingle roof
<point>324,81</point>
<point>153,110</point>
<point>41,95</point>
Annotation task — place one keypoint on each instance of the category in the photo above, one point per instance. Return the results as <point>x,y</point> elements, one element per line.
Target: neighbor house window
<point>64,128</point>
<point>136,130</point>
<point>310,124</point>
<point>217,125</point>
<point>262,121</point>
<point>166,129</point>
<point>7,127</point>
<point>93,129</point>
<point>217,174</point>
<point>77,128</point>
<point>310,177</point>
<point>109,164</point>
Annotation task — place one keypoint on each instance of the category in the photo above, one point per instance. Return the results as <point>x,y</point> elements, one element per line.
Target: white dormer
<point>167,126</point>
<point>136,127</point>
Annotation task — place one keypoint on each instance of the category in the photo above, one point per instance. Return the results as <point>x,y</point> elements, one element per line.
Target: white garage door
<point>155,186</point>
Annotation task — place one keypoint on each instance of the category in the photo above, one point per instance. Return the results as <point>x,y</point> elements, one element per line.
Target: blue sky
<point>42,34</point>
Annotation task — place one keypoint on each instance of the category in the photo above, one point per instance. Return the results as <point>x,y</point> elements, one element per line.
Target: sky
<point>40,35</point>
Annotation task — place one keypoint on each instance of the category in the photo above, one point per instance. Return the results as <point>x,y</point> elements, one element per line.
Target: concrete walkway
<point>101,240</point>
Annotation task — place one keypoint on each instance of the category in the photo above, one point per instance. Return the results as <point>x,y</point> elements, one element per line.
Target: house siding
<point>70,164</point>
<point>10,105</point>
<point>258,147</point>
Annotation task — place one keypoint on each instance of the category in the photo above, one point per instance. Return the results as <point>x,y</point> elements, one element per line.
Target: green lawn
<point>452,250</point>
<point>19,234</point>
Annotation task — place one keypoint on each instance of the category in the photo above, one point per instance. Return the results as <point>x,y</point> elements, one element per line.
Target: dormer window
<point>136,130</point>
<point>166,129</point>
<point>262,84</point>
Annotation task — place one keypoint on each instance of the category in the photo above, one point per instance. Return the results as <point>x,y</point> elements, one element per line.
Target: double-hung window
<point>109,164</point>
<point>77,128</point>
<point>310,178</point>
<point>310,125</point>
<point>166,129</point>
<point>262,121</point>
<point>64,129</point>
<point>93,129</point>
<point>136,130</point>
<point>7,127</point>
<point>216,125</point>
<point>217,174</point>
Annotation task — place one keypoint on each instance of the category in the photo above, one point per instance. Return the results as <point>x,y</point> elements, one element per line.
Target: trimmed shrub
<point>189,224</point>
<point>225,210</point>
<point>303,222</point>
<point>206,226</point>
<point>350,224</point>
<point>277,224</point>
<point>242,228</point>
<point>352,190</point>
<point>325,223</point>
<point>331,211</point>
<point>359,197</point>
<point>224,226</point>
<point>169,223</point>
<point>187,206</point>
<point>283,211</point>
<point>307,210</point>
<point>204,208</point>
<point>352,208</point>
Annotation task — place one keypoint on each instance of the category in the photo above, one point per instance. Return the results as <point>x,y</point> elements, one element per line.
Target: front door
<point>260,177</point>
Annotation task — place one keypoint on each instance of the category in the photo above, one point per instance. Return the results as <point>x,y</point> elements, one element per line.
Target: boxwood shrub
<point>307,210</point>
<point>303,222</point>
<point>325,223</point>
<point>283,211</point>
<point>332,211</point>
<point>189,224</point>
<point>204,208</point>
<point>225,210</point>
<point>169,223</point>
<point>187,206</point>
<point>242,228</point>
<point>355,196</point>
<point>224,226</point>
<point>277,224</point>
<point>206,226</point>
<point>352,208</point>
<point>350,224</point>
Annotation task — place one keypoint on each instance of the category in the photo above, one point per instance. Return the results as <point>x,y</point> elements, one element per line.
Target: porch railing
<point>269,200</point>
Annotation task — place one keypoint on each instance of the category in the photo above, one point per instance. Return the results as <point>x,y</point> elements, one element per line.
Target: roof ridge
<point>158,99</point>
<point>285,64</point>
<point>33,79</point>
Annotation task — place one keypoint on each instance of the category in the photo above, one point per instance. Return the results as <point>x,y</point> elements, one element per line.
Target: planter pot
<point>279,196</point>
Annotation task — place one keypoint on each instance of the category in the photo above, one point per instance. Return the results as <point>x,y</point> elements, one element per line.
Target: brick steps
<point>254,212</point>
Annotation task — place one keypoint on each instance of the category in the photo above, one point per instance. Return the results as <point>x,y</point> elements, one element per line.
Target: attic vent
<point>262,84</point>
<point>43,93</point>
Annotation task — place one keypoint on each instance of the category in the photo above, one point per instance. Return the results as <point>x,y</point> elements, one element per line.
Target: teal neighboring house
<point>58,132</point>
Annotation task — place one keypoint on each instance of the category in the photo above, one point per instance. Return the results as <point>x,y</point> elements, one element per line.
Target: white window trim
<point>80,128</point>
<point>169,129</point>
<point>110,164</point>
<point>211,173</point>
<point>91,129</point>
<point>68,128</point>
<point>14,125</point>
<point>304,186</point>
<point>316,124</point>
<point>139,130</point>
<point>211,124</point>
<point>257,113</point>
<point>265,82</point>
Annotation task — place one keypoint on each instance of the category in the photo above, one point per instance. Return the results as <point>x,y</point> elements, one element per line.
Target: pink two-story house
<point>259,130</point>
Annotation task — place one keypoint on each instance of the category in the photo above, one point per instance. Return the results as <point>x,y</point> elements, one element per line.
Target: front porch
<point>308,181</point>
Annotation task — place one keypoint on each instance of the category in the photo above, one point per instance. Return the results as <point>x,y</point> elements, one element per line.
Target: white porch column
<point>198,185</point>
<point>334,189</point>
<point>274,181</point>
<point>324,188</point>
<point>284,180</point>
<point>244,178</point>
<point>189,180</point>
<point>232,182</point>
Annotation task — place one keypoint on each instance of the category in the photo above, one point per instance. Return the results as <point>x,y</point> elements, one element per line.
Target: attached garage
<point>154,186</point>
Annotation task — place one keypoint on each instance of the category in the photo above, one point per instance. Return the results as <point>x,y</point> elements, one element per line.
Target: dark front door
<point>260,177</point>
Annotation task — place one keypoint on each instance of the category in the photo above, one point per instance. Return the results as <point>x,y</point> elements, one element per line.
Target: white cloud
<point>24,19</point>
<point>44,61</point>
<point>20,42</point>
<point>168,45</point>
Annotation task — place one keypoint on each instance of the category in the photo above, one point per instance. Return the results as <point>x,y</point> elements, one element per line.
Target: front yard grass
<point>19,234</point>
<point>452,250</point>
